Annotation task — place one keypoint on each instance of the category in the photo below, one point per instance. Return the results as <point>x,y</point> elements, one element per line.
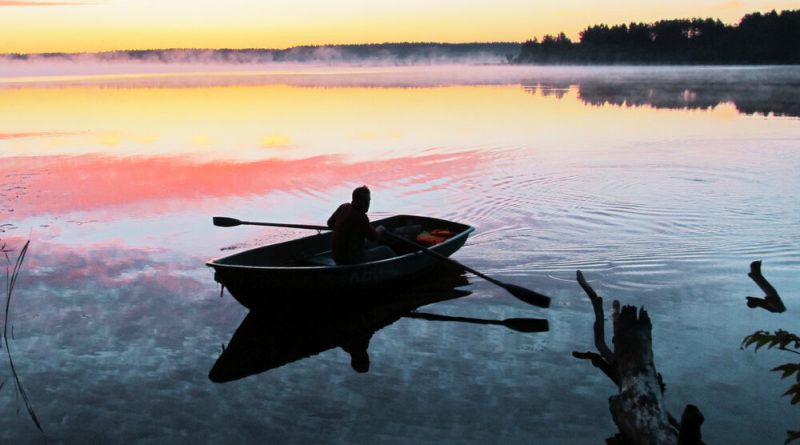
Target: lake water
<point>660,184</point>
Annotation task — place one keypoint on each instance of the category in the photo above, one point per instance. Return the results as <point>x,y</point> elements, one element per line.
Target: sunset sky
<point>29,26</point>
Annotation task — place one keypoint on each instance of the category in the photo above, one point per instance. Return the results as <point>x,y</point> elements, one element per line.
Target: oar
<point>224,221</point>
<point>523,294</point>
<point>517,324</point>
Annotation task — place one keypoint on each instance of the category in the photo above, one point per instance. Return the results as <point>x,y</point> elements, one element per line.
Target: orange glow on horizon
<point>128,25</point>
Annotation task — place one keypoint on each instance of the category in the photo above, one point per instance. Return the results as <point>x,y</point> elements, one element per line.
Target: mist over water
<point>660,184</point>
<point>237,60</point>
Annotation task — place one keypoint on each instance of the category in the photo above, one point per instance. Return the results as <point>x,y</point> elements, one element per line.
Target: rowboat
<point>304,268</point>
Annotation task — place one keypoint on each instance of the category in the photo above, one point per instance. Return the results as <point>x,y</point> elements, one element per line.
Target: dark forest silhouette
<point>772,38</point>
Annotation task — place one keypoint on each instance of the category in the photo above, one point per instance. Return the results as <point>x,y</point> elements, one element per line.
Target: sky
<point>32,26</point>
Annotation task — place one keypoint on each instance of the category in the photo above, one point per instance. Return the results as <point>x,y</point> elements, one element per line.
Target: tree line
<point>403,53</point>
<point>772,38</point>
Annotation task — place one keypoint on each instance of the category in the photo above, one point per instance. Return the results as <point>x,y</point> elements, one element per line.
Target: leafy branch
<point>780,338</point>
<point>784,341</point>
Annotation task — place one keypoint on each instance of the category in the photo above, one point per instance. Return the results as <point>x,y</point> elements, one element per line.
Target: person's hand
<point>380,230</point>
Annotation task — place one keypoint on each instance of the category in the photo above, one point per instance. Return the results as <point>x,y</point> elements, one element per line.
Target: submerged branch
<point>771,301</point>
<point>599,322</point>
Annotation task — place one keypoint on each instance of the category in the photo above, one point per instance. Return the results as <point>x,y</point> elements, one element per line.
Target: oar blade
<point>527,324</point>
<point>224,221</point>
<point>528,295</point>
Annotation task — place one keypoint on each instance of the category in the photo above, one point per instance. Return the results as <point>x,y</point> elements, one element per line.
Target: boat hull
<point>258,277</point>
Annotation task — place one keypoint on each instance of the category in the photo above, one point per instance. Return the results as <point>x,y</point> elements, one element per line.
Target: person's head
<point>357,348</point>
<point>359,361</point>
<point>361,198</point>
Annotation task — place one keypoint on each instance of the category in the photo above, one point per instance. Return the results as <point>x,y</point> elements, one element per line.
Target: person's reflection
<point>357,348</point>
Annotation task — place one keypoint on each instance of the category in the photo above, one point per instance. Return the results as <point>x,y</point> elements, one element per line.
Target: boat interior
<point>315,250</point>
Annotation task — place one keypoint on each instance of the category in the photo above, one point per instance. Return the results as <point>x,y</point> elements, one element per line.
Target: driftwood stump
<point>638,409</point>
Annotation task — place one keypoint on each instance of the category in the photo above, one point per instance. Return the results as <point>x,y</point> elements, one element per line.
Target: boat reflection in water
<point>269,339</point>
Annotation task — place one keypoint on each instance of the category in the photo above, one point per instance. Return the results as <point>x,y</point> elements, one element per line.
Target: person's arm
<point>332,219</point>
<point>369,231</point>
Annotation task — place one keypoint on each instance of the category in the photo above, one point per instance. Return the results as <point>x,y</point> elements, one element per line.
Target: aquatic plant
<point>11,280</point>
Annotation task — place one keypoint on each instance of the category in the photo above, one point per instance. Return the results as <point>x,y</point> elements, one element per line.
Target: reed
<point>12,273</point>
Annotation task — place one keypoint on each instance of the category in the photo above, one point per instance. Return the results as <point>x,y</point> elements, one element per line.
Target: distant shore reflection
<point>769,95</point>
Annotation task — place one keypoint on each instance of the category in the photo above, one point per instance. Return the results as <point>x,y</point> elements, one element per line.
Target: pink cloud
<point>115,290</point>
<point>62,184</point>
<point>35,134</point>
<point>106,266</point>
<point>35,3</point>
<point>733,4</point>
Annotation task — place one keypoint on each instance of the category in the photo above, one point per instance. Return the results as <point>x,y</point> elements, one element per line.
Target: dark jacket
<point>350,230</point>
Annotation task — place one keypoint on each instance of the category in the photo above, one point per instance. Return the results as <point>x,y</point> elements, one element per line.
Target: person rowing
<point>351,230</point>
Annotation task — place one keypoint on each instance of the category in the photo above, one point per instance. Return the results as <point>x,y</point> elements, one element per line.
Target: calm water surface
<point>661,185</point>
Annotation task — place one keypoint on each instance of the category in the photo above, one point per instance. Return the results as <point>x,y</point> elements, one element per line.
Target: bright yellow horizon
<point>36,26</point>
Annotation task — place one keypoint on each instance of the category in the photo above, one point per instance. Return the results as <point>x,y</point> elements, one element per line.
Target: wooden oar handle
<point>290,226</point>
<point>223,221</point>
<point>444,258</point>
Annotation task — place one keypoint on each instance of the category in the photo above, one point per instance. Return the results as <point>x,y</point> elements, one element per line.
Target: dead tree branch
<point>599,322</point>
<point>771,301</point>
<point>638,409</point>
